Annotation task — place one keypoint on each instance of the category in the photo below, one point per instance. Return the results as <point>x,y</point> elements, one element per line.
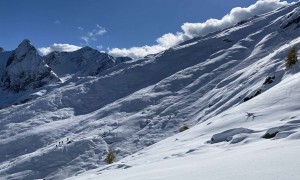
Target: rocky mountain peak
<point>24,48</point>
<point>86,48</point>
<point>25,42</point>
<point>26,69</point>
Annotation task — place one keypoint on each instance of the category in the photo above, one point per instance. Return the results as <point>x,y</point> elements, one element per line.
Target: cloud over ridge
<point>58,47</point>
<point>191,30</point>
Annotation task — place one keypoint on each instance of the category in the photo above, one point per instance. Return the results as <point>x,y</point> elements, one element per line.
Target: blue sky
<point>103,23</point>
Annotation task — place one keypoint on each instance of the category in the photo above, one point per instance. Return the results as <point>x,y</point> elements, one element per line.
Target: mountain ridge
<point>23,69</point>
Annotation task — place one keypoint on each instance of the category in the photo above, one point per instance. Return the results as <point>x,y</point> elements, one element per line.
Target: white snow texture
<point>230,87</point>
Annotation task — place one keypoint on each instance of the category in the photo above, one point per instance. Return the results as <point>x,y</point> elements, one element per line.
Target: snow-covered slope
<point>210,82</point>
<point>228,146</point>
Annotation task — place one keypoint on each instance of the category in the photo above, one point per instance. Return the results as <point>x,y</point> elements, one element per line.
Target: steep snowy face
<point>1,50</point>
<point>25,69</point>
<point>292,20</point>
<point>83,62</point>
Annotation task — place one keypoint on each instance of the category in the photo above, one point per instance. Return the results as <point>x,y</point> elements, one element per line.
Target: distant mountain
<point>83,62</point>
<point>25,69</point>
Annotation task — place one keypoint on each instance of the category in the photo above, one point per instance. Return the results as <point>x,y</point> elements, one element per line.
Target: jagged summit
<point>25,47</point>
<point>1,50</point>
<point>25,42</point>
<point>86,48</point>
<point>25,69</point>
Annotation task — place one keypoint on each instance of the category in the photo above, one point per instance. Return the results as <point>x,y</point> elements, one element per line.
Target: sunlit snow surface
<point>137,107</point>
<point>245,155</point>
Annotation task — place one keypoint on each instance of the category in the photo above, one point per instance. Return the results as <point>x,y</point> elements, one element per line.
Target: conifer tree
<point>110,156</point>
<point>291,58</point>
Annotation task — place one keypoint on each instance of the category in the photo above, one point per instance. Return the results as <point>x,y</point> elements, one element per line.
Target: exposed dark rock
<point>242,22</point>
<point>250,97</point>
<point>10,60</point>
<point>270,135</point>
<point>184,128</point>
<point>269,80</point>
<point>227,40</point>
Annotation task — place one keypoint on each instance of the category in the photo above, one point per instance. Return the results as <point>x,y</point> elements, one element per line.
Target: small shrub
<point>291,58</point>
<point>110,156</point>
<point>183,128</point>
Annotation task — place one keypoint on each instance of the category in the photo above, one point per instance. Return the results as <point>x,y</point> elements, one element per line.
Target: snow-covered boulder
<point>25,69</point>
<point>228,135</point>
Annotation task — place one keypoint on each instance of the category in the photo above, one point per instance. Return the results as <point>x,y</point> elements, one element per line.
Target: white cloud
<point>136,52</point>
<point>191,30</point>
<point>58,47</point>
<point>99,47</point>
<point>164,42</point>
<point>80,28</point>
<point>57,22</point>
<point>169,40</point>
<point>236,14</point>
<point>94,34</point>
